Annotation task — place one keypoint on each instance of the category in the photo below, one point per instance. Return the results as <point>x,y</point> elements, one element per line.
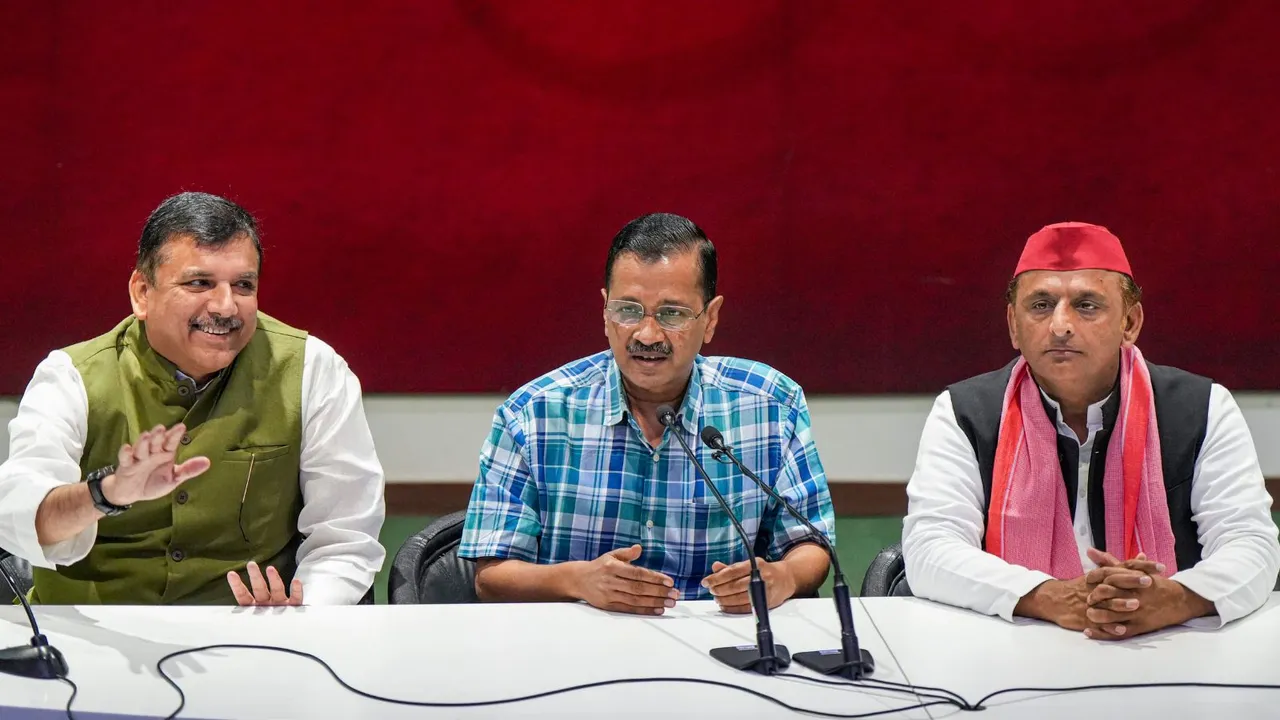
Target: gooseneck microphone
<point>765,658</point>
<point>39,659</point>
<point>850,661</point>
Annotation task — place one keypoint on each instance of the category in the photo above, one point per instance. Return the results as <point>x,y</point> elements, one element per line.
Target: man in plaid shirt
<point>583,496</point>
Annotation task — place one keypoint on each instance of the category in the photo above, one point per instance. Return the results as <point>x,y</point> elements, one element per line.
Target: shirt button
<point>181,497</point>
<point>183,390</point>
<point>649,524</point>
<point>177,555</point>
<point>1083,493</point>
<point>655,457</point>
<point>186,439</point>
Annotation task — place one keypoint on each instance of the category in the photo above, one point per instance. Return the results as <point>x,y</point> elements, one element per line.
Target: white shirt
<point>339,475</point>
<point>943,530</point>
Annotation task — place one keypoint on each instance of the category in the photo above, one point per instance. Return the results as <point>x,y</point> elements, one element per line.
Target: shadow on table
<point>59,621</point>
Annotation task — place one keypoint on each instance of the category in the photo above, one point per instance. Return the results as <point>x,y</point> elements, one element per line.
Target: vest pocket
<point>260,499</point>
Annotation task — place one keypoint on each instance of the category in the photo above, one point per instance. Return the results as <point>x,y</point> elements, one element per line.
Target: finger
<point>633,609</point>
<point>125,456</point>
<point>158,436</point>
<point>189,469</point>
<point>1106,632</point>
<point>142,447</point>
<point>1108,592</point>
<point>735,587</point>
<point>295,592</point>
<point>736,609</point>
<point>260,592</point>
<point>1145,566</point>
<point>717,566</point>
<point>276,586</point>
<point>1101,558</point>
<point>173,438</point>
<point>1107,574</point>
<point>627,554</point>
<point>1098,616</point>
<point>727,574</point>
<point>641,601</point>
<point>1118,605</point>
<point>1129,581</point>
<point>644,589</point>
<point>631,572</point>
<point>241,593</point>
<point>735,599</point>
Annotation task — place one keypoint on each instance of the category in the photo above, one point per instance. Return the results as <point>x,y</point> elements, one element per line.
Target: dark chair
<point>20,571</point>
<point>427,568</point>
<point>887,576</point>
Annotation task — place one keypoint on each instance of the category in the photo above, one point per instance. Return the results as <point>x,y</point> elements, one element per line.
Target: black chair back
<point>20,571</point>
<point>887,575</point>
<point>427,568</point>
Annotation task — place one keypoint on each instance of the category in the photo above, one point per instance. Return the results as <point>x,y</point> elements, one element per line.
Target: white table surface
<point>440,652</point>
<point>974,655</point>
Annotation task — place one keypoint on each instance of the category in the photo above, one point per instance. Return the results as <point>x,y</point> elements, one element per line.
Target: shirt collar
<point>1094,418</point>
<point>616,401</point>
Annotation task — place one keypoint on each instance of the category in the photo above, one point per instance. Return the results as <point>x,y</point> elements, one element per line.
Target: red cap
<point>1073,246</point>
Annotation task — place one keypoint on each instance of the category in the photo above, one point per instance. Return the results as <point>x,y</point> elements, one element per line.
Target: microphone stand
<point>39,659</point>
<point>765,657</point>
<point>850,661</point>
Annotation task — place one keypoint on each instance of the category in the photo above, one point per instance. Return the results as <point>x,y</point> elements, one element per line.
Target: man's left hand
<point>729,583</point>
<point>265,592</point>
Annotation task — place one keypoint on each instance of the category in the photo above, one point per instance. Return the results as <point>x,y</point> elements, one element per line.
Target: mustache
<point>217,324</point>
<point>659,348</point>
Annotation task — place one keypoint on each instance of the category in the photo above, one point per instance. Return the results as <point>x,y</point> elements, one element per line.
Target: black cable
<point>924,691</point>
<point>75,690</point>
<point>182,698</point>
<point>981,704</point>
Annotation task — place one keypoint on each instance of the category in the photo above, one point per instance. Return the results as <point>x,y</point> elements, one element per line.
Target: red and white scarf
<point>1029,522</point>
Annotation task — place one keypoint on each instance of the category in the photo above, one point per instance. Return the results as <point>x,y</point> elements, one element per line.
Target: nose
<point>1060,323</point>
<point>222,301</point>
<point>649,332</point>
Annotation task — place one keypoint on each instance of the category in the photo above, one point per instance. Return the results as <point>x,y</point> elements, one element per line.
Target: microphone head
<point>712,437</point>
<point>666,415</point>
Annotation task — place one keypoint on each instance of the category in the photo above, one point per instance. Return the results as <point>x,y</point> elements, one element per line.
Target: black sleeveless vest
<point>1182,413</point>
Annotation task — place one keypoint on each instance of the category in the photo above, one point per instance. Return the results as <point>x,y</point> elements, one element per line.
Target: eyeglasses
<point>671,317</point>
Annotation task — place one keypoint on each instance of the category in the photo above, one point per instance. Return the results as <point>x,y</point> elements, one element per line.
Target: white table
<point>975,655</point>
<point>442,653</point>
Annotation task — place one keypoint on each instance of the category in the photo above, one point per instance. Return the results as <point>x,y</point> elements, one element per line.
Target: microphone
<point>39,659</point>
<point>850,661</point>
<point>765,658</point>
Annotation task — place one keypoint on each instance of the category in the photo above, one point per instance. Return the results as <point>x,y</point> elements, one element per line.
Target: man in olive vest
<point>196,440</point>
<point>1081,484</point>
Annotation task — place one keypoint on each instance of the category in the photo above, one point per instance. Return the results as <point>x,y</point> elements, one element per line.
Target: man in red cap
<point>1081,484</point>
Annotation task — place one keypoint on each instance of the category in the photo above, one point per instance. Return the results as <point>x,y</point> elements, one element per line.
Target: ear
<point>604,314</point>
<point>1012,322</point>
<point>138,288</point>
<point>713,318</point>
<point>1132,325</point>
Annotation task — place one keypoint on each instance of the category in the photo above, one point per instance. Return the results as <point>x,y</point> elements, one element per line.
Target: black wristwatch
<point>94,481</point>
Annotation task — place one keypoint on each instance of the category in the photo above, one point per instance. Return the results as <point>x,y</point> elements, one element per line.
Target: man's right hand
<point>611,582</point>
<point>146,470</point>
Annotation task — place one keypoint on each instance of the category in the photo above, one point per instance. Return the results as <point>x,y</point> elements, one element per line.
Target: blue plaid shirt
<point>567,474</point>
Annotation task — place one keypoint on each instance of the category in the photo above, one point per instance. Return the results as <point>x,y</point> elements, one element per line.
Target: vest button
<point>186,439</point>
<point>182,497</point>
<point>177,555</point>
